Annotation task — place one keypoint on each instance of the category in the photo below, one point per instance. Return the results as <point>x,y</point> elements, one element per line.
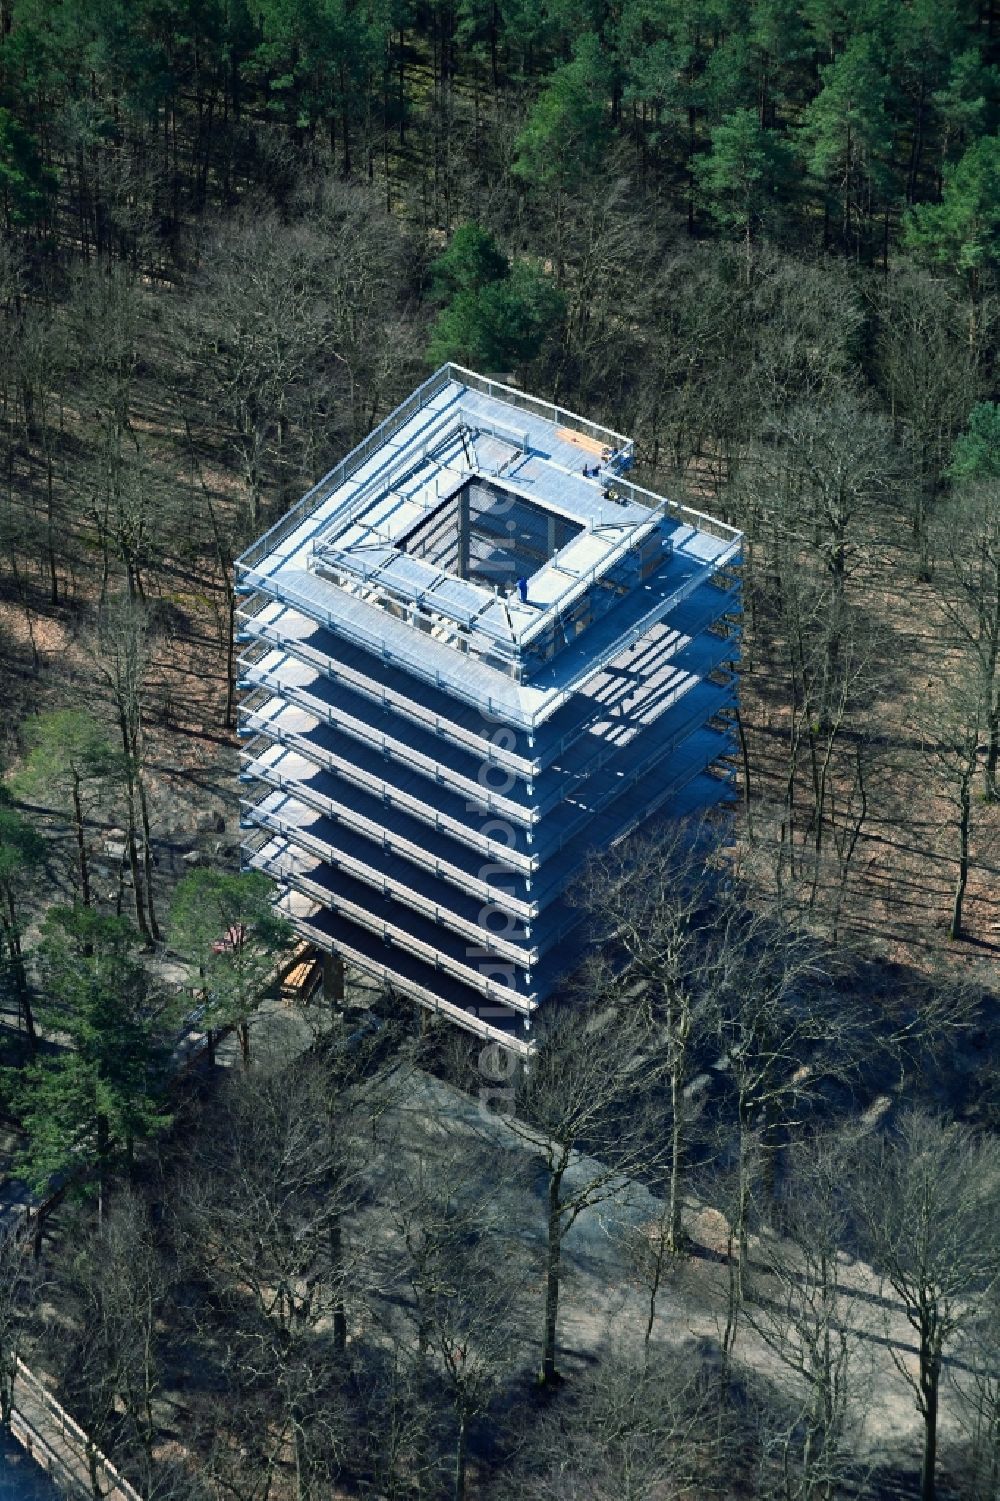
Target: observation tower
<point>474,653</point>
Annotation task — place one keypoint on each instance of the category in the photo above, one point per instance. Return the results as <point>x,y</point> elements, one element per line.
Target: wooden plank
<point>300,981</point>
<point>589,445</point>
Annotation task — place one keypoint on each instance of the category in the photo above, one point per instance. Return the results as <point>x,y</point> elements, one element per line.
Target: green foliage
<point>497,316</point>
<point>533,307</point>
<point>500,327</point>
<point>846,127</point>
<point>963,230</point>
<point>99,1087</point>
<point>311,56</point>
<point>876,99</point>
<point>227,928</point>
<point>22,851</point>
<point>961,101</point>
<point>69,758</point>
<point>22,848</point>
<point>745,172</point>
<point>976,453</point>
<point>566,138</point>
<point>25,184</point>
<point>470,262</point>
<point>65,748</point>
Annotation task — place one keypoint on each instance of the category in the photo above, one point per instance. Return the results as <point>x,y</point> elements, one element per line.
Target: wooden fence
<point>56,1442</point>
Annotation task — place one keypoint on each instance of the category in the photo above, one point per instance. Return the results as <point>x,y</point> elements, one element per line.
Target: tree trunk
<point>133,862</point>
<point>133,857</point>
<point>929,1379</point>
<point>147,856</point>
<point>102,1166</point>
<point>81,844</point>
<point>50,527</point>
<point>745,758</point>
<point>964,820</point>
<point>460,1451</point>
<point>993,756</point>
<point>243,1033</point>
<point>654,1286</point>
<point>674,1227</point>
<point>13,937</point>
<point>337,1267</point>
<point>549,1374</point>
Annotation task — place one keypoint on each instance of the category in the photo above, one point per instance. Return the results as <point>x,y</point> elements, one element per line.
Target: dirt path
<point>604,1302</point>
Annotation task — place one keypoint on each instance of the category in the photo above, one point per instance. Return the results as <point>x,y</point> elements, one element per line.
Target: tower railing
<point>347,466</point>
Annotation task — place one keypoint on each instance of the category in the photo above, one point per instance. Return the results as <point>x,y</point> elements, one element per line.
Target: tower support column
<point>333,979</point>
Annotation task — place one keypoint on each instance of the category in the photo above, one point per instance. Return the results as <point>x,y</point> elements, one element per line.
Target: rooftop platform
<point>476,541</point>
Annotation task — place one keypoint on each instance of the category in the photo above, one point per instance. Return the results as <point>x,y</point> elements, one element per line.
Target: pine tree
<point>98,1089</point>
<point>70,755</point>
<point>963,230</point>
<point>227,927</point>
<point>497,315</point>
<point>22,851</point>
<point>743,175</point>
<point>567,134</point>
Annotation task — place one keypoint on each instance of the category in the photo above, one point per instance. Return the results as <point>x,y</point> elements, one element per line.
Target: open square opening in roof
<point>489,535</point>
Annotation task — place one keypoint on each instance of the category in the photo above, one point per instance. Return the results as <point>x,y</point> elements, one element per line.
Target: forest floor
<point>605,1303</point>
<point>896,900</point>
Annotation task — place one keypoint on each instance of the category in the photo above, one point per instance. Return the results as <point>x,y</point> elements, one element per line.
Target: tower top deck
<point>488,541</point>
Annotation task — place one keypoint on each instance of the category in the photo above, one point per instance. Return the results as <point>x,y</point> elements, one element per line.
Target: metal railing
<point>658,507</point>
<point>392,701</point>
<point>423,812</point>
<point>466,974</point>
<point>607,655</point>
<point>347,466</point>
<point>547,410</point>
<point>523,954</point>
<point>389,746</point>
<point>665,507</point>
<point>578,586</point>
<point>398,470</point>
<point>386,975</point>
<point>491,803</point>
<point>396,419</point>
<point>268,823</point>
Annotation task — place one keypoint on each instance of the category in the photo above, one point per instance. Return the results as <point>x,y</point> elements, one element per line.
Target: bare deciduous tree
<point>653,1432</point>
<point>951,720</point>
<point>262,1221</point>
<point>652,897</point>
<point>21,1282</point>
<point>121,658</point>
<point>578,1105</point>
<point>797,1303</point>
<point>465,1269</point>
<point>926,1201</point>
<point>975,1391</point>
<point>286,329</point>
<point>969,588</point>
<point>931,372</point>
